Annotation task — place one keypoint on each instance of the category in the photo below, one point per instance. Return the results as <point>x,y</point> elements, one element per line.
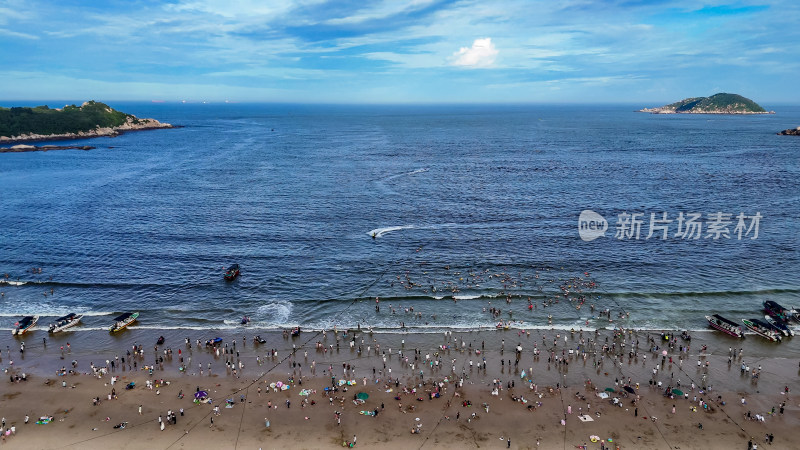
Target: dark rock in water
<point>791,132</point>
<point>32,148</point>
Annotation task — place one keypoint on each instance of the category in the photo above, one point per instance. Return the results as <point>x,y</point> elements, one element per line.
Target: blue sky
<point>393,51</point>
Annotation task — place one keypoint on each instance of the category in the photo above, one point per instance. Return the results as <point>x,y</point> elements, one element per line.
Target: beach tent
<point>602,395</point>
<point>200,394</point>
<point>677,392</point>
<point>362,395</point>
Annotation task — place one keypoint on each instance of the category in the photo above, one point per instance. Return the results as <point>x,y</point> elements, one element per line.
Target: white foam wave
<point>274,312</point>
<point>45,310</point>
<point>12,283</point>
<point>379,232</point>
<point>182,327</point>
<point>95,313</point>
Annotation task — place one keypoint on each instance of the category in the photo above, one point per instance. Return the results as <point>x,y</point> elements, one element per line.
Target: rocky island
<point>91,119</point>
<point>721,103</point>
<point>791,132</point>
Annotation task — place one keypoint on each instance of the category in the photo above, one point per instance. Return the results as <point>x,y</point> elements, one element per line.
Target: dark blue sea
<point>449,210</point>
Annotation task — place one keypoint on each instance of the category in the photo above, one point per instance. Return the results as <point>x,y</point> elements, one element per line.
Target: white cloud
<point>481,54</point>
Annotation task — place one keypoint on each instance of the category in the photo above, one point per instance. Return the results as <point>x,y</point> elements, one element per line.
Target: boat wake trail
<point>404,174</point>
<point>382,182</point>
<point>379,232</point>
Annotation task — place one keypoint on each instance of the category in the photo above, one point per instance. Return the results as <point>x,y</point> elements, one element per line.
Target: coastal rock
<point>791,132</point>
<point>20,124</point>
<point>130,125</point>
<point>33,148</point>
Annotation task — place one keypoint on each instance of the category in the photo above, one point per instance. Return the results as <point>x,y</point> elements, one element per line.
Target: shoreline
<point>724,113</point>
<point>100,132</point>
<point>565,375</point>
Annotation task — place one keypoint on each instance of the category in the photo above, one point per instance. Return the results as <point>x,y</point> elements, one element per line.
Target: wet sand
<point>549,389</point>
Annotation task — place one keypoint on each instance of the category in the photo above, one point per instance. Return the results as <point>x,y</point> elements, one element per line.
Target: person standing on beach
<point>140,410</point>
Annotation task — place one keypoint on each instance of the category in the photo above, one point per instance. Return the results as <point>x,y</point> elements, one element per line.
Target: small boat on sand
<point>160,340</point>
<point>232,272</point>
<point>245,320</point>
<point>778,325</point>
<point>793,314</point>
<point>213,342</point>
<point>64,322</point>
<point>726,326</point>
<point>123,320</point>
<point>24,324</point>
<point>762,329</point>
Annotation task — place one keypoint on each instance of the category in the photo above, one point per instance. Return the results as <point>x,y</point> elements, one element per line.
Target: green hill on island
<point>91,119</point>
<point>721,103</point>
<point>69,119</point>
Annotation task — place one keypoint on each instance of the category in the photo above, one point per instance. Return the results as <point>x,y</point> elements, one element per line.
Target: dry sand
<point>444,421</point>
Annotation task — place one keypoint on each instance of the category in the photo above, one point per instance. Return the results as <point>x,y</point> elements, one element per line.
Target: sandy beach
<point>433,383</point>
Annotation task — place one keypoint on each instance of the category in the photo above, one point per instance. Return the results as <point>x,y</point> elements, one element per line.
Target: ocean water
<point>327,208</point>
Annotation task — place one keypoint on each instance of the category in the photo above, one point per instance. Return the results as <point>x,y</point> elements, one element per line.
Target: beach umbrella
<point>200,394</point>
<point>664,353</point>
<point>630,389</point>
<point>610,390</point>
<point>279,384</point>
<point>677,392</point>
<point>362,395</point>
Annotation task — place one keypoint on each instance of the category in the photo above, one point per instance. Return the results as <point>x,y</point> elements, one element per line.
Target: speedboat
<point>778,325</point>
<point>123,320</point>
<point>213,342</point>
<point>726,326</point>
<point>24,324</point>
<point>64,322</point>
<point>775,310</point>
<point>762,329</point>
<point>232,272</point>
